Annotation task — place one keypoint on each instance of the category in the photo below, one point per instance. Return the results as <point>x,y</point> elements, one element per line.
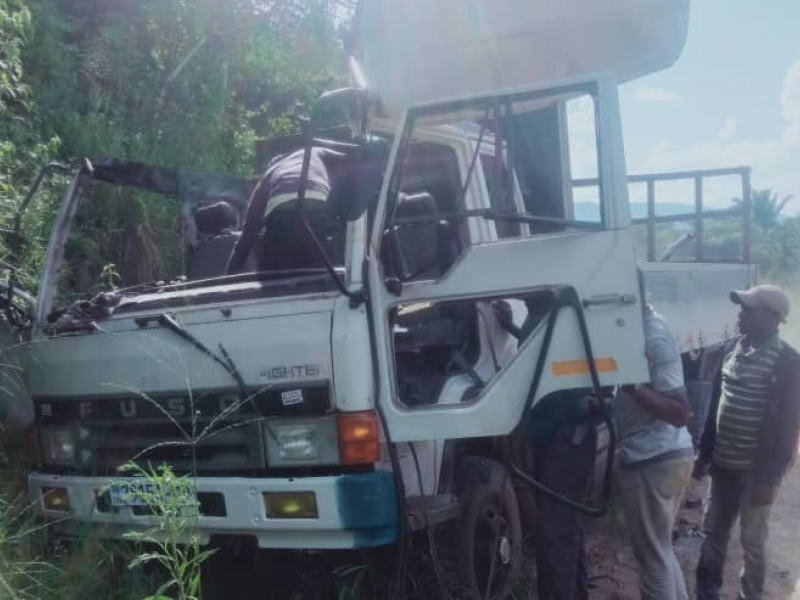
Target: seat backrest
<point>215,218</point>
<point>210,257</point>
<point>417,251</point>
<point>285,244</point>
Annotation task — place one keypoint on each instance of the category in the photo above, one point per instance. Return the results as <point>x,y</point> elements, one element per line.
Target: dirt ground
<point>612,565</point>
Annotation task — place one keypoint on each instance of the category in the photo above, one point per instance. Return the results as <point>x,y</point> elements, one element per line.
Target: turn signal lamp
<point>55,498</point>
<point>291,505</point>
<point>359,438</point>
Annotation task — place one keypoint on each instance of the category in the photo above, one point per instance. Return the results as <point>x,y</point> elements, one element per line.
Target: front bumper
<point>355,511</point>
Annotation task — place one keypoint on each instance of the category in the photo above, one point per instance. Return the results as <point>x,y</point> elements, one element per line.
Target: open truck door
<point>560,276</point>
<point>455,240</point>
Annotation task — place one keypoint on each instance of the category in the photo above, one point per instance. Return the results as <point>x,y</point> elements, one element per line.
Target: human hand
<point>503,313</point>
<point>700,469</point>
<point>763,495</point>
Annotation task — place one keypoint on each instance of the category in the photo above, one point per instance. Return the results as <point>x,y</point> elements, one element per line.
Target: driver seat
<point>209,258</point>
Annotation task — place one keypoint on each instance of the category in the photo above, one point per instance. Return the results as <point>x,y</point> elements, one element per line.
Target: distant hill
<point>587,211</point>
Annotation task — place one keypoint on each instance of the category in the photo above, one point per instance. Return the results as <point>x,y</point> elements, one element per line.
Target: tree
<point>765,208</point>
<point>189,84</point>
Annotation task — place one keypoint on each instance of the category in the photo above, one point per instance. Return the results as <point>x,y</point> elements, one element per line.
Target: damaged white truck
<point>343,405</point>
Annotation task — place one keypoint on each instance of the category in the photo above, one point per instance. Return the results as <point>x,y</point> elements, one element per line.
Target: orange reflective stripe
<point>566,368</point>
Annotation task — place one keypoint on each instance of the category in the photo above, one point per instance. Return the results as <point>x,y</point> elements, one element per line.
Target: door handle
<point>608,299</point>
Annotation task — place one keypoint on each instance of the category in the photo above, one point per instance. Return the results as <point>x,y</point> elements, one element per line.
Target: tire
<point>490,532</point>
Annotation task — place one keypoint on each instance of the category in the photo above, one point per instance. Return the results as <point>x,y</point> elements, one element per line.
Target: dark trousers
<point>731,500</point>
<point>286,245</point>
<point>565,466</point>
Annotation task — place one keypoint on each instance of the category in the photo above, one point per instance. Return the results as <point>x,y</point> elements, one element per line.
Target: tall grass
<point>36,564</point>
<point>175,539</point>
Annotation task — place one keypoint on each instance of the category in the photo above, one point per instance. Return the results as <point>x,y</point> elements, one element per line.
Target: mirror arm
<point>356,298</point>
<point>46,170</point>
<point>14,239</point>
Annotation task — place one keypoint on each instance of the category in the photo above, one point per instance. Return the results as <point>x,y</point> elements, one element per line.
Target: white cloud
<point>729,129</point>
<point>790,103</point>
<point>775,162</point>
<point>658,95</point>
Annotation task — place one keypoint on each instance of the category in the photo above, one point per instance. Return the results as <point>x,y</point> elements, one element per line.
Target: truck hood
<point>273,344</point>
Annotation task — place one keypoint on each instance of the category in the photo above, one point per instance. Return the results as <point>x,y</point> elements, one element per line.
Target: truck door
<point>464,275</point>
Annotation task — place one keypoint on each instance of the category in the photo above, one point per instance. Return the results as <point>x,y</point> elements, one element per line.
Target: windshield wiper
<point>225,361</point>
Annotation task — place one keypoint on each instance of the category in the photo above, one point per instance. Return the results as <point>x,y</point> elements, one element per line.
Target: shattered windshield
<point>121,237</point>
<point>148,230</point>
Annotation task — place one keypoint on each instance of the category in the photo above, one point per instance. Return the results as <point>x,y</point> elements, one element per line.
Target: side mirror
<point>357,182</point>
<point>356,103</point>
<point>349,99</point>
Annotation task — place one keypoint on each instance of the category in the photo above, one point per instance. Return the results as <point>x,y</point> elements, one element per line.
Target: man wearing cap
<point>749,441</point>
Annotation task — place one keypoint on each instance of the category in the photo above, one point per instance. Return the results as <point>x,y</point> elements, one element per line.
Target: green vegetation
<point>188,84</point>
<point>175,539</point>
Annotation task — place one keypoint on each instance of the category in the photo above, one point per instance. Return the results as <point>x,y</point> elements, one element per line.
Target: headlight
<point>58,446</point>
<point>299,442</point>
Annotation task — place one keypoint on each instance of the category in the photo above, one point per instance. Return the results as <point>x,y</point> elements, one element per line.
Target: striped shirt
<point>747,378</point>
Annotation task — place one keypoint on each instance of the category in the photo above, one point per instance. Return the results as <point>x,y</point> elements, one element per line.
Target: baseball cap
<point>766,296</point>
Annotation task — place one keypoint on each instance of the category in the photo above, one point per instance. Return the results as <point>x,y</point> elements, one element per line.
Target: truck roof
<point>419,51</point>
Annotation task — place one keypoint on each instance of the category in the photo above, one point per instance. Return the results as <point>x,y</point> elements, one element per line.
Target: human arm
<point>665,396</point>
<point>253,222</point>
<point>778,448</point>
<point>666,408</point>
<point>505,317</point>
<point>763,494</point>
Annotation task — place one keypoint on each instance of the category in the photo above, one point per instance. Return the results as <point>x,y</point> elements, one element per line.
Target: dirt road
<point>615,577</point>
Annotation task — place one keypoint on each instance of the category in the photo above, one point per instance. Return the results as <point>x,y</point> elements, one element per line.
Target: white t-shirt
<point>643,437</point>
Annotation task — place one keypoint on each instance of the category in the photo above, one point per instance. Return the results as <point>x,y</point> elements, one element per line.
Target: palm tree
<point>765,207</point>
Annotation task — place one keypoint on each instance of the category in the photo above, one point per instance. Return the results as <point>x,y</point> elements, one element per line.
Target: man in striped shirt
<point>272,206</point>
<point>749,441</point>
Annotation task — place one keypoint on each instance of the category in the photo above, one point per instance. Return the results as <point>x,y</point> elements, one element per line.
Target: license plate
<point>148,493</point>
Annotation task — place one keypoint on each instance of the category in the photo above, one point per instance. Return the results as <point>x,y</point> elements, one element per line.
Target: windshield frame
<point>189,189</point>
<point>475,105</point>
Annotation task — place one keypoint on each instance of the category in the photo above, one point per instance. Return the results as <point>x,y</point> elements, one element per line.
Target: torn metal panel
<point>189,187</point>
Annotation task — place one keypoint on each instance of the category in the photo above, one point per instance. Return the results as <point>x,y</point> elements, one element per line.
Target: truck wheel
<point>490,533</point>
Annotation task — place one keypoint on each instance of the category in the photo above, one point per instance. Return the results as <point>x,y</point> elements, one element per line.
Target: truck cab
<point>340,406</point>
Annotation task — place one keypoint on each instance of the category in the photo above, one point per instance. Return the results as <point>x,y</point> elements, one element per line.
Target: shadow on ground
<point>612,564</point>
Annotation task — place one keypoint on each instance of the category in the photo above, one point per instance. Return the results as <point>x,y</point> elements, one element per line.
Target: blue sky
<point>733,98</point>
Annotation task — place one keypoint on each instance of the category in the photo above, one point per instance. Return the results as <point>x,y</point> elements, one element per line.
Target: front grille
<point>154,430</point>
<point>104,447</point>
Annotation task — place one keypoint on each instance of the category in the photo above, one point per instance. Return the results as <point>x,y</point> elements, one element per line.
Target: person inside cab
<point>271,211</point>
